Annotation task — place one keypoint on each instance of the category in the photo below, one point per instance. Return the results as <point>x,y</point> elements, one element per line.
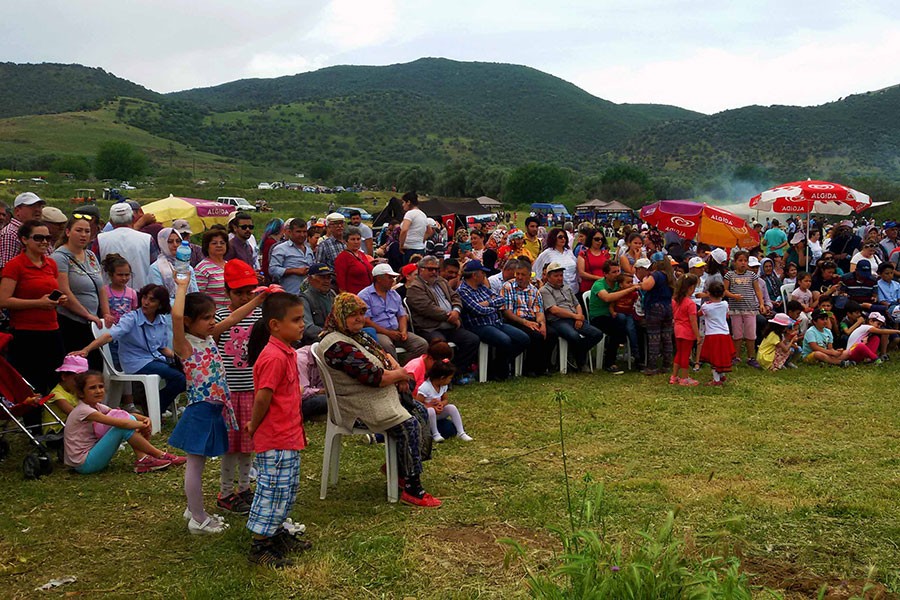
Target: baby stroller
<point>17,398</point>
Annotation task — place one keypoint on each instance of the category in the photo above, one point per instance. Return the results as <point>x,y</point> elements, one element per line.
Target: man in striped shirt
<point>524,309</point>
<point>482,316</point>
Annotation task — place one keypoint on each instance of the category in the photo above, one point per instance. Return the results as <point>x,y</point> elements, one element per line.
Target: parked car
<point>345,210</point>
<point>126,186</point>
<point>263,185</point>
<point>237,202</point>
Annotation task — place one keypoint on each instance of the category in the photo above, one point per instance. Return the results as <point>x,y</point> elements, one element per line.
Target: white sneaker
<point>465,436</point>
<point>209,526</point>
<point>437,438</point>
<point>293,528</point>
<point>188,516</point>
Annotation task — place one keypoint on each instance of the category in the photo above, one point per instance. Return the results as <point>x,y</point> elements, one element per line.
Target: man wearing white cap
<point>133,245</point>
<point>55,220</point>
<point>388,317</point>
<point>333,244</point>
<point>27,206</point>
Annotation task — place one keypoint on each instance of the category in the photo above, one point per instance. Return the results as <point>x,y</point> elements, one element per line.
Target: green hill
<point>35,89</point>
<point>427,111</point>
<point>857,135</point>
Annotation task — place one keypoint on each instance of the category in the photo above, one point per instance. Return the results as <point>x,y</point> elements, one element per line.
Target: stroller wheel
<point>31,466</point>
<point>4,449</point>
<point>46,463</point>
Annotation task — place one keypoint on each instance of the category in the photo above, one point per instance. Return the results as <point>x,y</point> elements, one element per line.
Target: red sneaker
<point>174,458</point>
<point>426,501</point>
<point>149,463</point>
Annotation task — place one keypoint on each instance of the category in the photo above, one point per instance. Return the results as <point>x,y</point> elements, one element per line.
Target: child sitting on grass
<point>64,395</point>
<point>852,319</point>
<point>433,394</point>
<point>818,344</point>
<point>779,342</point>
<point>865,342</point>
<point>86,453</point>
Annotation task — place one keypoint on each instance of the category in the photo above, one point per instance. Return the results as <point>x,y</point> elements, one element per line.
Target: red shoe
<point>174,459</point>
<point>426,501</point>
<point>149,463</point>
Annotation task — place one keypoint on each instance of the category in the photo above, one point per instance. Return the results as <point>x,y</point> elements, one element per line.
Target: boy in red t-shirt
<point>276,425</point>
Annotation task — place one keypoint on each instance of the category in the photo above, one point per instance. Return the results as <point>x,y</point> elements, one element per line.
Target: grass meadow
<point>795,473</point>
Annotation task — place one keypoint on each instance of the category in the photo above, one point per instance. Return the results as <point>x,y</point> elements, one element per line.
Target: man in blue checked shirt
<point>524,309</point>
<point>482,316</point>
<point>289,261</point>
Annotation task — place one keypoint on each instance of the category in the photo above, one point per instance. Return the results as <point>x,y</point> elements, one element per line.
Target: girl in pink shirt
<point>684,313</point>
<point>418,367</point>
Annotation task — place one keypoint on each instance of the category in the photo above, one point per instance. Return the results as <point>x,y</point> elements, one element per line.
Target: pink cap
<point>73,364</point>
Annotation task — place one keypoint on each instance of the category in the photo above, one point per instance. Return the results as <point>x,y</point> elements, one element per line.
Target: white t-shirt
<point>415,235</point>
<point>873,262</point>
<point>365,232</point>
<point>857,334</point>
<point>431,395</point>
<point>715,318</point>
<point>133,246</point>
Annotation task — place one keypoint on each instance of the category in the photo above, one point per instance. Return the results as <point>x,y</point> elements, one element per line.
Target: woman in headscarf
<point>273,233</point>
<point>772,282</point>
<point>369,384</point>
<point>162,272</point>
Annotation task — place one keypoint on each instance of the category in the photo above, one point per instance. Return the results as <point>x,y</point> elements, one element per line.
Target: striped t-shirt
<point>742,283</point>
<point>233,350</point>
<point>211,281</point>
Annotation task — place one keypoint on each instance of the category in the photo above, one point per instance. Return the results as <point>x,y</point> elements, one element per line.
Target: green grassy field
<point>800,468</point>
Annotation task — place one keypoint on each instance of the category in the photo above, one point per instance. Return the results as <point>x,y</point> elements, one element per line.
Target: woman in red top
<point>28,281</point>
<point>352,267</point>
<point>592,258</point>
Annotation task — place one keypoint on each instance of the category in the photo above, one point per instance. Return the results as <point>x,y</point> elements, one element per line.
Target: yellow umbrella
<point>200,214</point>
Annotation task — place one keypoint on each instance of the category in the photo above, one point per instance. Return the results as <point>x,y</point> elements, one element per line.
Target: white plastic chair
<point>786,290</point>
<point>334,431</point>
<point>601,347</point>
<point>115,377</point>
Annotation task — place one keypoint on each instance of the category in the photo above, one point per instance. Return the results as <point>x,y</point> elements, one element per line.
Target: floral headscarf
<point>347,305</point>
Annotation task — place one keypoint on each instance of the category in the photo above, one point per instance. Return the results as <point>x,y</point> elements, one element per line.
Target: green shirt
<point>775,237</point>
<point>596,306</point>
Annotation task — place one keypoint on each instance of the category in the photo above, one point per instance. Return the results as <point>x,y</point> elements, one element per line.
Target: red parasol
<point>700,221</point>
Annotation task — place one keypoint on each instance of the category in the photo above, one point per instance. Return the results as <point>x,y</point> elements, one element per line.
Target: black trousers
<point>36,356</point>
<point>76,335</point>
<point>537,358</point>
<point>466,354</point>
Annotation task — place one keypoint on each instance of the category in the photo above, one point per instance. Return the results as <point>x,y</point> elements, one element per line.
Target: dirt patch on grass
<point>476,550</point>
<point>797,582</point>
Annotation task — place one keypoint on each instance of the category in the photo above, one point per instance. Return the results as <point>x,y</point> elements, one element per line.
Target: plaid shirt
<point>526,303</point>
<point>476,315</point>
<point>10,246</point>
<point>328,249</point>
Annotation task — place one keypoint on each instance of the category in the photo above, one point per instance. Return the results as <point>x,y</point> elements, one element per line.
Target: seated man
<point>524,309</point>
<point>450,272</point>
<point>317,299</point>
<point>387,316</point>
<point>604,292</point>
<point>509,271</point>
<point>482,315</point>
<point>565,317</point>
<point>435,311</point>
<point>312,387</point>
<point>860,287</point>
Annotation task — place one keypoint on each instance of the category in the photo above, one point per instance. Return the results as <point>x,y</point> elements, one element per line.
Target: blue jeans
<point>174,379</point>
<point>102,452</point>
<point>580,340</point>
<point>632,333</point>
<point>508,341</point>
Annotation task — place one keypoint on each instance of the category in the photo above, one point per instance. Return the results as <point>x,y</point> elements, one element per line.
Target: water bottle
<point>183,260</point>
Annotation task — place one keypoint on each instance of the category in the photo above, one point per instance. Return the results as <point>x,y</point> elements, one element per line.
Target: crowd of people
<point>398,317</point>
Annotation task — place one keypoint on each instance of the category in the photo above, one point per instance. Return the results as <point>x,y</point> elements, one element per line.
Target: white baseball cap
<point>753,261</point>
<point>384,269</point>
<point>26,199</point>
<point>720,256</point>
<point>334,217</point>
<point>121,210</point>
<point>642,263</point>
<point>696,262</point>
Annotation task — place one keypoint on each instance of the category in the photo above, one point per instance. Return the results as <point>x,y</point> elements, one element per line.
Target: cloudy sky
<point>697,54</point>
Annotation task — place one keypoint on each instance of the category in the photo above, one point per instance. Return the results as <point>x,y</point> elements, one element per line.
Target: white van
<point>239,203</point>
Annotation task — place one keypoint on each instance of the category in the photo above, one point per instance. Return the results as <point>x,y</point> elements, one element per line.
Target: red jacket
<point>353,271</point>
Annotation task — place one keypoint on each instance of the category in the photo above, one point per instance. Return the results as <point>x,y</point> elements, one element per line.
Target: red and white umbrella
<point>821,197</point>
<point>700,221</point>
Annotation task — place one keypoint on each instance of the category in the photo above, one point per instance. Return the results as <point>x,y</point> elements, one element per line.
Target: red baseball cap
<point>239,274</point>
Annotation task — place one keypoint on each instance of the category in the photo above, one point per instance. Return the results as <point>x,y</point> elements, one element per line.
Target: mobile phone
<point>55,295</point>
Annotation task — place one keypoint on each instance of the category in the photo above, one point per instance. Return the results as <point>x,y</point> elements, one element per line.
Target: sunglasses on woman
<point>40,238</point>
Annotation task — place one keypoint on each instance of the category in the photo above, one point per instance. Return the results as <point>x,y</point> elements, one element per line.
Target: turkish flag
<point>449,222</point>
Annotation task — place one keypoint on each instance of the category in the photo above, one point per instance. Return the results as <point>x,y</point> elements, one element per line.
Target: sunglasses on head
<point>246,227</point>
<point>83,216</point>
<point>40,238</point>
